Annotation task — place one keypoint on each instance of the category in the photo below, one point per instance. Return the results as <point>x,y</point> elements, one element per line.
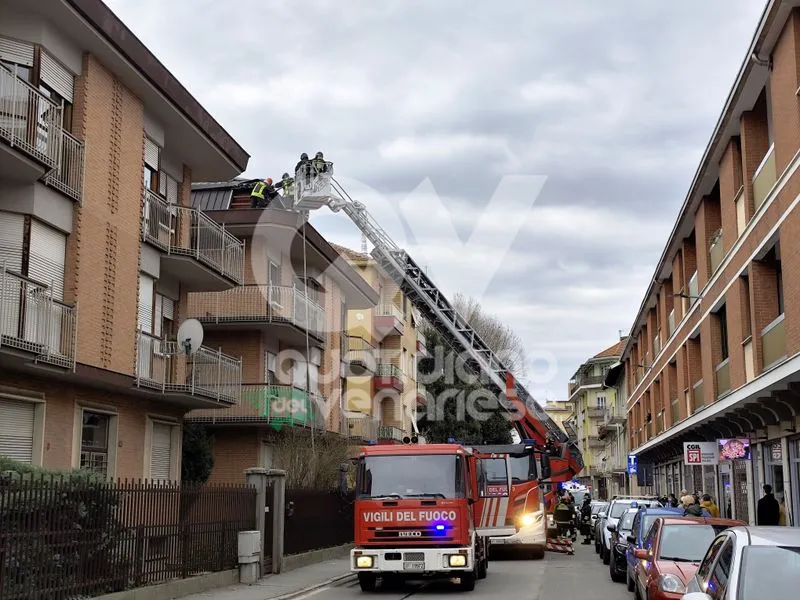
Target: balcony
<point>33,322</point>
<point>389,433</point>
<point>363,427</point>
<point>198,251</point>
<point>422,394</point>
<point>764,178</point>
<point>388,319</point>
<point>388,377</point>
<point>596,412</point>
<point>716,253</point>
<point>206,375</point>
<point>585,381</point>
<point>723,377</point>
<point>694,290</point>
<point>68,174</point>
<point>773,342</point>
<point>594,442</point>
<point>260,306</point>
<point>422,347</point>
<point>360,355</point>
<point>31,126</point>
<point>671,322</point>
<point>698,398</point>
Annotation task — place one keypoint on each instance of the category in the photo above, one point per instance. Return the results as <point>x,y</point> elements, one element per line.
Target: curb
<point>316,586</point>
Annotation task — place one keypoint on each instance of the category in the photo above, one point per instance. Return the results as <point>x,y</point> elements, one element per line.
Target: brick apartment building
<point>286,322</point>
<point>99,246</point>
<point>384,345</point>
<point>714,352</point>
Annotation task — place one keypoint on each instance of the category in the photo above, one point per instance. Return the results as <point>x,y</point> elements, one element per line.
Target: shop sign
<point>700,453</point>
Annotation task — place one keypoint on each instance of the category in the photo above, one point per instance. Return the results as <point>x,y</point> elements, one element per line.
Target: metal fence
<point>70,537</point>
<point>33,320</point>
<point>187,231</point>
<point>209,373</point>
<point>317,519</point>
<point>68,174</point>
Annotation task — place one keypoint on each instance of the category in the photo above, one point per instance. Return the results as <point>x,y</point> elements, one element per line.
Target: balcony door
<point>47,258</point>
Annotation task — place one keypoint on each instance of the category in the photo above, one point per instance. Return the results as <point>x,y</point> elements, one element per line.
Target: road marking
<point>314,593</point>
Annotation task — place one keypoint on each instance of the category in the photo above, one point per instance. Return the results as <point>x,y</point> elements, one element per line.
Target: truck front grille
<point>413,556</point>
<point>410,535</point>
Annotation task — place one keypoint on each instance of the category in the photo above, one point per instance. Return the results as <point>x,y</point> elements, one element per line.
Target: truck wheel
<point>481,567</point>
<point>537,553</point>
<point>467,581</point>
<point>367,581</point>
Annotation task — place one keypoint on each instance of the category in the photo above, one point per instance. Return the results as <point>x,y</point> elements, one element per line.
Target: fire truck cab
<point>428,511</point>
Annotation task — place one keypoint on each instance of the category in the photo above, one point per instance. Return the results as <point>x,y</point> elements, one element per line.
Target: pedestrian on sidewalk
<point>768,511</point>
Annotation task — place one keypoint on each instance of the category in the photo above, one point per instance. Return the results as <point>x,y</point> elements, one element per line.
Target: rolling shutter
<point>151,152</point>
<point>48,257</point>
<point>13,51</point>
<point>16,429</point>
<point>161,451</point>
<point>11,236</point>
<point>146,303</point>
<point>56,77</point>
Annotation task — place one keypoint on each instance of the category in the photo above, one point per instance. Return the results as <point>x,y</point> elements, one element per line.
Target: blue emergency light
<point>440,528</point>
<point>451,440</point>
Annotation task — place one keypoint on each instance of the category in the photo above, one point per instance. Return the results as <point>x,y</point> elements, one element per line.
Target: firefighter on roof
<point>263,192</point>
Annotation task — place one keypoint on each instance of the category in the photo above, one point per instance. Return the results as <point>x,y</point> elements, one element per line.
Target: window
<point>722,319</point>
<point>773,568</point>
<point>95,442</point>
<point>163,322</point>
<point>274,273</point>
<point>161,451</point>
<point>718,583</point>
<point>269,369</point>
<point>146,303</point>
<point>152,159</point>
<point>601,402</point>
<point>773,260</point>
<point>22,71</point>
<point>17,429</point>
<point>58,100</point>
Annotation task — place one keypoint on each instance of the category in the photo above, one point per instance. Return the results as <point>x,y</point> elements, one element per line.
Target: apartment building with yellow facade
<point>383,345</point>
<point>714,351</point>
<point>595,420</point>
<point>287,321</point>
<point>100,246</point>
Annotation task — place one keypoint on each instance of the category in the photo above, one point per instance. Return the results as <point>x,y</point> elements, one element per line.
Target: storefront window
<point>773,469</point>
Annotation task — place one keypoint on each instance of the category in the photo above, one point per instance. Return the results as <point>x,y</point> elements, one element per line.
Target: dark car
<point>641,525</point>
<point>617,566</point>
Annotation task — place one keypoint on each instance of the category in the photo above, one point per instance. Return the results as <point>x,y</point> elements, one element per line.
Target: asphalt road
<point>556,576</point>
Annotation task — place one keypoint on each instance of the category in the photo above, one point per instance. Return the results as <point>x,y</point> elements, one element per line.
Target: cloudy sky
<point>531,154</point>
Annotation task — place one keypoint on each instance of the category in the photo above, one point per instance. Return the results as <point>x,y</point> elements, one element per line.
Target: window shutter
<point>145,303</point>
<point>168,308</point>
<point>56,77</point>
<point>16,430</point>
<point>151,153</point>
<point>158,316</point>
<point>11,236</point>
<point>48,250</point>
<point>161,452</point>
<point>13,51</point>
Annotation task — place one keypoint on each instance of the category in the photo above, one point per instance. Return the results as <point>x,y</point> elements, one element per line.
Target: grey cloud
<point>613,101</point>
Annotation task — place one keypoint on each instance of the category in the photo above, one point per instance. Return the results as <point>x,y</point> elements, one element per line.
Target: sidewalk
<point>292,583</point>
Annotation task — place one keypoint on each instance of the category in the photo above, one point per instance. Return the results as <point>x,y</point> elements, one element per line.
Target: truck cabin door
<point>493,479</point>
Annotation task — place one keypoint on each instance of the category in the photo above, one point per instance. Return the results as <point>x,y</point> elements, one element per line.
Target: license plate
<point>414,566</point>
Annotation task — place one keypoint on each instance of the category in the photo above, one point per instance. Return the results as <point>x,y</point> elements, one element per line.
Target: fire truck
<point>428,511</point>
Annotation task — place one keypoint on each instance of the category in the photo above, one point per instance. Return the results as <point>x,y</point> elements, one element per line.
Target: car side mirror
<point>696,596</point>
<point>641,554</point>
<point>631,539</point>
<point>612,528</point>
<point>601,515</point>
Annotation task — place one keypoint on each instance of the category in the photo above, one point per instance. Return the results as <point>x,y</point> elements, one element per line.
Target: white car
<point>749,562</point>
<point>615,510</point>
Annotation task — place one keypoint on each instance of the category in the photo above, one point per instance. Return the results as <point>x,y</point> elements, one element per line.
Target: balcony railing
<point>693,289</point>
<point>764,179</point>
<point>258,304</point>
<point>365,428</point>
<point>388,432</point>
<point>160,365</point>
<point>596,412</point>
<point>68,174</point>
<point>361,351</point>
<point>671,322</point>
<point>29,120</point>
<point>422,345</point>
<point>389,309</point>
<point>594,441</point>
<point>723,375</point>
<point>773,341</point>
<point>32,320</point>
<point>186,231</point>
<point>284,405</point>
<point>716,253</point>
<point>387,370</point>
<point>698,399</point>
<point>675,408</point>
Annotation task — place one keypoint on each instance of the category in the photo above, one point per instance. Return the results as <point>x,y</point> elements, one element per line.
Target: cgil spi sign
<point>700,453</point>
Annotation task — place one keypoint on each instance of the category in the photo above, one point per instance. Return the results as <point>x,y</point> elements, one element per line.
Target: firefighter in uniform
<point>287,185</point>
<point>262,193</point>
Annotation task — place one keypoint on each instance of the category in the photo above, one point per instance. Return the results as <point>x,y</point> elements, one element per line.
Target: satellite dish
<point>190,336</point>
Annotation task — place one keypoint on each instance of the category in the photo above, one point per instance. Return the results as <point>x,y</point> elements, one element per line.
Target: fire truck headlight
<point>364,562</point>
<point>530,519</point>
<point>457,560</point>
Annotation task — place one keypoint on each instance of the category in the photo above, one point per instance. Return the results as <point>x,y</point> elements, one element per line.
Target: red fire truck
<point>428,511</point>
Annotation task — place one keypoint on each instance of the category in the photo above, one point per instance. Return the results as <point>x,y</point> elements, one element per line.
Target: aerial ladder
<point>530,420</point>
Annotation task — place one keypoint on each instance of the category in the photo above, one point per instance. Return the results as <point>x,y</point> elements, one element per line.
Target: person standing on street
<point>768,511</point>
<point>710,506</point>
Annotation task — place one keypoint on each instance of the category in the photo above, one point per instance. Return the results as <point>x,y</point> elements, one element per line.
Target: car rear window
<point>687,543</point>
<point>772,568</point>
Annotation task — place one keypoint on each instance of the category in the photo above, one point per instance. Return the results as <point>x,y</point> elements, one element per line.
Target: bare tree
<point>502,340</point>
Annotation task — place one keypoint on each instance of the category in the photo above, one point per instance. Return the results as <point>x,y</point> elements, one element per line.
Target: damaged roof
<point>218,195</point>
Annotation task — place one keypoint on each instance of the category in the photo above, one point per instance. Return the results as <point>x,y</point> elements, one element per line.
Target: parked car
<point>641,526</point>
<point>597,507</point>
<point>619,543</point>
<point>598,524</point>
<point>615,510</point>
<point>749,562</point>
<point>671,554</point>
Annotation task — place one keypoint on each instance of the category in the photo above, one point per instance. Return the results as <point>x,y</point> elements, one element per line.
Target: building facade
<point>287,321</point>
<point>383,344</point>
<point>713,352</point>
<point>559,411</point>
<point>593,405</point>
<point>99,245</point>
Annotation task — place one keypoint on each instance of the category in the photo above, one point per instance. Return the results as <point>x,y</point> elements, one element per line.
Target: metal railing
<point>68,174</point>
<point>284,404</point>
<point>693,289</point>
<point>32,320</point>
<point>258,304</point>
<point>29,120</point>
<point>365,427</point>
<point>389,432</point>
<point>361,351</point>
<point>187,231</point>
<point>390,309</point>
<point>387,370</point>
<point>764,178</point>
<point>773,341</point>
<point>161,365</point>
<point>596,412</point>
<point>716,253</point>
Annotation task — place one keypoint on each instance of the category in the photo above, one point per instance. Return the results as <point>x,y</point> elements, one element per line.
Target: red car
<point>671,554</point>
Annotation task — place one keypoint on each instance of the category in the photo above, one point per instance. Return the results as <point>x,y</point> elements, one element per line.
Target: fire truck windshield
<point>520,469</point>
<point>411,476</point>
